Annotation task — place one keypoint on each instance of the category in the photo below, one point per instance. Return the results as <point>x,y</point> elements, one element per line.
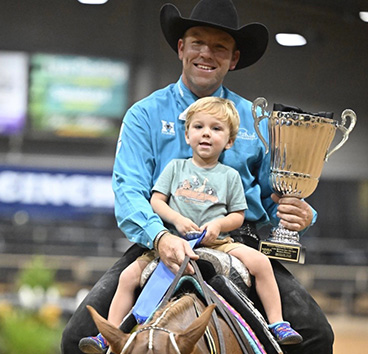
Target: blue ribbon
<point>157,285</point>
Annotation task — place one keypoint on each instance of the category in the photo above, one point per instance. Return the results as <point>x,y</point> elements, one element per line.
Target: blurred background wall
<point>57,147</point>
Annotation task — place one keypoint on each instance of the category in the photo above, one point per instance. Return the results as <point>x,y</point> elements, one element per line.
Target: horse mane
<point>177,307</point>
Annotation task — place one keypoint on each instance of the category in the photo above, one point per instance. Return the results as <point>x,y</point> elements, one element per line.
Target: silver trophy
<point>299,144</point>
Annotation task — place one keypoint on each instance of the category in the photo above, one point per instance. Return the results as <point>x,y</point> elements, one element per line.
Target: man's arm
<point>132,183</point>
<point>132,180</point>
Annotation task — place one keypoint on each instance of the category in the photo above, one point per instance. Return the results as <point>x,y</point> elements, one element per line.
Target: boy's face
<point>208,137</point>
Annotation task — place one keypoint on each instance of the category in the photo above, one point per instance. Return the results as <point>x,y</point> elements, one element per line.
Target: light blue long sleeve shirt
<point>152,134</point>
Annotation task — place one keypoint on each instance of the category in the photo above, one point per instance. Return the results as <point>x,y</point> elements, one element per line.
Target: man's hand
<point>295,214</point>
<point>172,250</point>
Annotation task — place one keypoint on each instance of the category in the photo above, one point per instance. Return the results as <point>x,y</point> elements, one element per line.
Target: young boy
<point>200,194</point>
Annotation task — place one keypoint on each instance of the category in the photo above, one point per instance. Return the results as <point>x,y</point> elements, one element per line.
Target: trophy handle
<point>348,113</point>
<point>262,103</point>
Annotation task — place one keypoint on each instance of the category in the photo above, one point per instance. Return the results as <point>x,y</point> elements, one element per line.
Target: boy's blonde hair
<point>221,108</point>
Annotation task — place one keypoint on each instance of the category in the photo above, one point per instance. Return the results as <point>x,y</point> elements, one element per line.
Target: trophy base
<point>283,252</point>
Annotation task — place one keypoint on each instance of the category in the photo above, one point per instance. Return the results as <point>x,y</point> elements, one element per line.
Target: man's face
<point>207,55</point>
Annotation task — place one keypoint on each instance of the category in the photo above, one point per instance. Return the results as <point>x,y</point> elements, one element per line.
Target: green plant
<point>38,329</point>
<point>36,274</point>
<point>27,333</point>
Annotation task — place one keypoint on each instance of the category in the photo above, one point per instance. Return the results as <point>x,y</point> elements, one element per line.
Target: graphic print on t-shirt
<point>196,191</point>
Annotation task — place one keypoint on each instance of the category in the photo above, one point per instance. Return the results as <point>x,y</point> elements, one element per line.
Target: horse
<point>184,326</point>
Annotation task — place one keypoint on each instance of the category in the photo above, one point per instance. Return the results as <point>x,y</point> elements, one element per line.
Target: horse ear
<point>190,336</point>
<point>115,337</point>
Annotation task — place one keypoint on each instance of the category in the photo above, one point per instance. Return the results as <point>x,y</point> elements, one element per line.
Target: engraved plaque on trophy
<point>299,144</point>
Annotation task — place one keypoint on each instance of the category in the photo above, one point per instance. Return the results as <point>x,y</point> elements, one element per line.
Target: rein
<point>198,276</point>
<point>228,317</point>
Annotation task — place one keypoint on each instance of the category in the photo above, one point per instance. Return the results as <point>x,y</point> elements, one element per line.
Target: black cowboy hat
<point>251,39</point>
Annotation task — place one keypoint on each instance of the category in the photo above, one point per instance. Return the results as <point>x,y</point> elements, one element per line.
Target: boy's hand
<point>184,225</point>
<point>213,229</point>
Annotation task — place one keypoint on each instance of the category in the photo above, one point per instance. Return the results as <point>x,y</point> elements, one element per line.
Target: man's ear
<point>234,60</point>
<point>180,48</point>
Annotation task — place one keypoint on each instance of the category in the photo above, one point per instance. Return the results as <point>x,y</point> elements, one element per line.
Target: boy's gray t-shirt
<point>201,194</point>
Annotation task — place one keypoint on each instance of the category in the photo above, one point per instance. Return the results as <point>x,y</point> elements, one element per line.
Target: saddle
<point>212,262</point>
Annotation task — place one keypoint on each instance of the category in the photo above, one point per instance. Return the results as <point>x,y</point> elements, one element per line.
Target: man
<point>209,43</point>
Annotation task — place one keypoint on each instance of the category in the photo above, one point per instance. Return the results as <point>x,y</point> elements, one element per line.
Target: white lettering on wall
<point>76,190</point>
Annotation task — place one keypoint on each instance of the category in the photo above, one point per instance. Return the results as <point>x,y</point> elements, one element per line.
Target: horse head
<point>165,340</point>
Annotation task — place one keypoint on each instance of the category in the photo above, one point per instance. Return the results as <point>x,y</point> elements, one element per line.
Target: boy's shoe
<point>93,345</point>
<point>284,333</point>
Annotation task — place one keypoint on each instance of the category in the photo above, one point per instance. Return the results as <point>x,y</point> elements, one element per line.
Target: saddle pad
<point>248,331</point>
<point>248,312</point>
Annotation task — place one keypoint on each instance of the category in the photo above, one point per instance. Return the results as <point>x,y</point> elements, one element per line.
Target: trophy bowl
<point>299,144</point>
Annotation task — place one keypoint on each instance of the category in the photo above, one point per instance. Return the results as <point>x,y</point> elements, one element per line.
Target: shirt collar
<point>185,97</point>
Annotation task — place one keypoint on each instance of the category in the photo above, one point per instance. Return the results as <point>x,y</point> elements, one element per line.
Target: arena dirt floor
<point>351,334</point>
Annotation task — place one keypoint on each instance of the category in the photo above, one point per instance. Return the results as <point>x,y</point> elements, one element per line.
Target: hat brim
<point>251,39</point>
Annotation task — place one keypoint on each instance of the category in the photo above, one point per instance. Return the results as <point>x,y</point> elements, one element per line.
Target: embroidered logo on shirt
<point>244,134</point>
<point>167,128</point>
